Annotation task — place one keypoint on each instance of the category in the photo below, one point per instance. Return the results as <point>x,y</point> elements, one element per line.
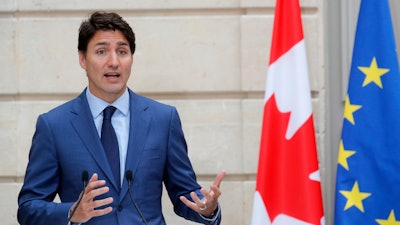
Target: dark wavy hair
<point>104,21</point>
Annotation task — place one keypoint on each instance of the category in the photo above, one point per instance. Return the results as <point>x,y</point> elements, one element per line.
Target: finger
<point>211,198</point>
<point>102,202</point>
<point>196,198</point>
<point>186,201</point>
<point>90,213</point>
<point>94,177</point>
<point>218,179</point>
<point>216,191</point>
<point>94,185</point>
<point>100,191</point>
<point>203,209</point>
<point>205,193</point>
<point>87,209</point>
<point>190,204</point>
<point>90,195</point>
<point>200,203</point>
<point>102,212</point>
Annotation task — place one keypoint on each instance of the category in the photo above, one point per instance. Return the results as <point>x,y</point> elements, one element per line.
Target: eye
<point>122,52</point>
<point>101,52</point>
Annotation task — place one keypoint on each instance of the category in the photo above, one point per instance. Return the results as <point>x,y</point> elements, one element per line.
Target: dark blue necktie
<point>110,142</point>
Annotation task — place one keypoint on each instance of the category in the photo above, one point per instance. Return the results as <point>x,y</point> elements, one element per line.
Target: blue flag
<point>368,169</point>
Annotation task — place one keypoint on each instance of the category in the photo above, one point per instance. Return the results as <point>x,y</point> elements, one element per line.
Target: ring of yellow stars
<point>373,73</point>
<point>344,155</point>
<point>349,109</point>
<point>391,220</point>
<point>355,197</point>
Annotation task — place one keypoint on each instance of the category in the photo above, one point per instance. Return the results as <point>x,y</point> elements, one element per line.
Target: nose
<point>113,60</point>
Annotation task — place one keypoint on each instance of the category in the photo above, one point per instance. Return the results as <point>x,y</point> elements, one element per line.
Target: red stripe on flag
<point>287,28</point>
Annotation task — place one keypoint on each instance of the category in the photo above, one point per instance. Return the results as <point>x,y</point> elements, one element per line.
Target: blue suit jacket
<point>66,143</point>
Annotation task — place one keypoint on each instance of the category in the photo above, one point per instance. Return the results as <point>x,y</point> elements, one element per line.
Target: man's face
<point>108,62</point>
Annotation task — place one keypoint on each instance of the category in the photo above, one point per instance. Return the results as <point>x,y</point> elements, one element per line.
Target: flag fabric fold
<point>367,184</point>
<point>288,189</point>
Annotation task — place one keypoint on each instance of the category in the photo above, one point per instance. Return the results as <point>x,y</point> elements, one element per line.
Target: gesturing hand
<point>209,203</point>
<point>87,208</point>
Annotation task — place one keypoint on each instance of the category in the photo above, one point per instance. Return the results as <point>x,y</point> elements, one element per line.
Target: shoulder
<point>147,103</point>
<point>67,109</point>
<point>158,111</point>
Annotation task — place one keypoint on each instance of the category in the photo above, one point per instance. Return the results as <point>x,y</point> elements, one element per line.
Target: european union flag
<point>368,171</point>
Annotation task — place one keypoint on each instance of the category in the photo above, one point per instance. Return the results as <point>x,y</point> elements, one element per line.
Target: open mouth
<point>111,75</point>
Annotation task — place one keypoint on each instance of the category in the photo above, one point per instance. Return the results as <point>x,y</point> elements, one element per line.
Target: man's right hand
<point>87,208</point>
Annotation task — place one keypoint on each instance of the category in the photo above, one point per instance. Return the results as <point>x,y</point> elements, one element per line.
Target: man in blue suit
<point>147,135</point>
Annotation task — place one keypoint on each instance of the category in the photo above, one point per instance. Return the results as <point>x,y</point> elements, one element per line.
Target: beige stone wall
<point>208,58</point>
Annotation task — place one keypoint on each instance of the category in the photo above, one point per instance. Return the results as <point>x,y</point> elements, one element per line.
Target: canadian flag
<point>288,188</point>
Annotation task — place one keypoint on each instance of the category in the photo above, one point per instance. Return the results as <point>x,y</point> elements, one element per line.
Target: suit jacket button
<point>120,207</point>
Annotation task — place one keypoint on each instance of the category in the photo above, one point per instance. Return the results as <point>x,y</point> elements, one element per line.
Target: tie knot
<point>108,112</point>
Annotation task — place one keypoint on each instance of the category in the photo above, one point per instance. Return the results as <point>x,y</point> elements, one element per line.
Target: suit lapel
<point>85,128</point>
<point>138,127</point>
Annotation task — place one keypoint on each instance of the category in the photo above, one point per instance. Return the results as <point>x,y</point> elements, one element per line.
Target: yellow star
<point>391,220</point>
<point>355,197</point>
<point>373,73</point>
<point>343,155</point>
<point>349,109</point>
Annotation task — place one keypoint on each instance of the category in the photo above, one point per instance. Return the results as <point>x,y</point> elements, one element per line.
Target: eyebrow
<point>120,43</point>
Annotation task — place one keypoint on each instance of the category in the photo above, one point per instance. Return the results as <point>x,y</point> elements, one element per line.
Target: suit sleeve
<point>180,177</point>
<point>41,182</point>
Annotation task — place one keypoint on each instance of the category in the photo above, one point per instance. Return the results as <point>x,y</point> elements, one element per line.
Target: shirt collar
<point>97,105</point>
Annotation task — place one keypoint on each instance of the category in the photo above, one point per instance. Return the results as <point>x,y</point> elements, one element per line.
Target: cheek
<point>128,67</point>
<point>95,67</point>
<point>94,73</point>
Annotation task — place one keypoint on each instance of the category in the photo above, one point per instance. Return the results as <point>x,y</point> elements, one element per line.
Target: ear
<point>82,60</point>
